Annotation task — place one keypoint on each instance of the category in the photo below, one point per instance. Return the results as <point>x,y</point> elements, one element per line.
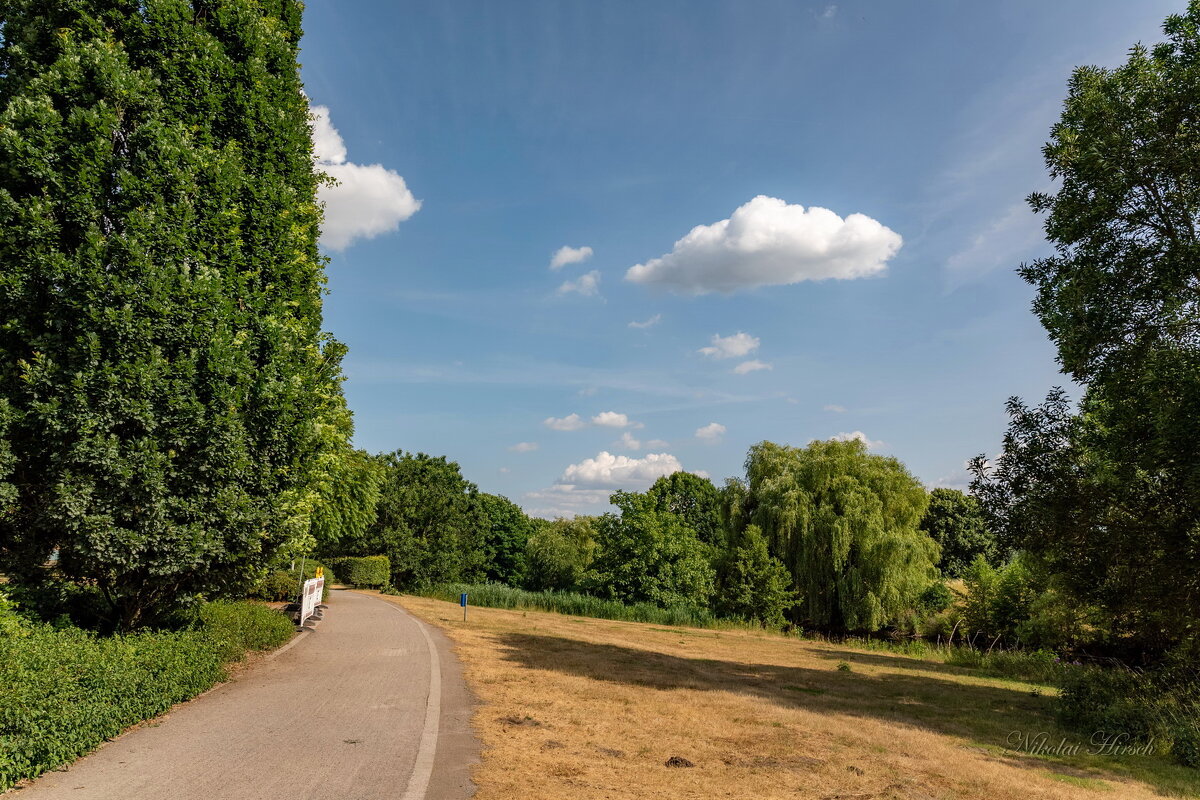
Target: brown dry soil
<point>585,708</point>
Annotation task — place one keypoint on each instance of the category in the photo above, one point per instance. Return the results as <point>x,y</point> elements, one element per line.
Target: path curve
<point>368,705</point>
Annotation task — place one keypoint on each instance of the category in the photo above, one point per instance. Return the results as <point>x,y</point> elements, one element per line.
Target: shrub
<point>362,571</point>
<point>64,691</point>
<point>11,623</point>
<point>1161,705</point>
<point>281,585</point>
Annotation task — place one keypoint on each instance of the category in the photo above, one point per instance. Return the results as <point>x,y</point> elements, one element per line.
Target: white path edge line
<point>418,782</point>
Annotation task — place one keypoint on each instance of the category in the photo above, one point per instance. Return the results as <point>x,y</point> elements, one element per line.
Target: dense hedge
<point>63,692</point>
<point>284,585</point>
<point>363,571</point>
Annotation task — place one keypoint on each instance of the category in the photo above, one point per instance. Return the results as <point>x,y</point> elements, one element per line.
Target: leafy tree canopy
<point>694,500</point>
<point>506,530</point>
<point>558,553</point>
<point>1109,494</point>
<point>161,355</point>
<point>844,522</point>
<point>957,523</point>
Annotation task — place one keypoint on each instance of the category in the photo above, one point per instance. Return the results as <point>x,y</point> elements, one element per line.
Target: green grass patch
<point>64,691</point>
<point>496,595</point>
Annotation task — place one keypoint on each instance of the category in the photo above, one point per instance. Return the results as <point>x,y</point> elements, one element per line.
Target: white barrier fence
<point>311,597</point>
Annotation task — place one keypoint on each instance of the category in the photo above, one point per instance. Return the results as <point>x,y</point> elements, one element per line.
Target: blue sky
<point>474,140</point>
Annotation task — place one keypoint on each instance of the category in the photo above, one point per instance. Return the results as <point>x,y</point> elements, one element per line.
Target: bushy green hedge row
<point>497,595</point>
<point>284,585</point>
<point>63,692</point>
<point>363,570</point>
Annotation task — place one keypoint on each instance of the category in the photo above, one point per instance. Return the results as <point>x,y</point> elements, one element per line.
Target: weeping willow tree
<point>844,522</point>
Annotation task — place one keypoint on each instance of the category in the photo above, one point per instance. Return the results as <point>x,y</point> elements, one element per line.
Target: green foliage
<point>694,500</point>
<point>956,522</point>
<point>63,692</point>
<point>161,355</point>
<point>495,595</point>
<point>1159,706</point>
<point>12,624</point>
<point>844,522</point>
<point>1109,496</point>
<point>646,555</point>
<point>937,597</point>
<point>283,583</point>
<point>424,522</point>
<point>753,584</point>
<point>558,553</point>
<point>346,496</point>
<point>362,570</point>
<point>506,531</point>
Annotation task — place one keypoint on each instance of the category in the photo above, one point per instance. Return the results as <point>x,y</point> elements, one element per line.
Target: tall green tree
<point>506,531</point>
<point>1109,494</point>
<point>957,523</point>
<point>558,553</point>
<point>647,555</point>
<point>753,584</point>
<point>424,522</point>
<point>844,522</point>
<point>161,351</point>
<point>694,500</point>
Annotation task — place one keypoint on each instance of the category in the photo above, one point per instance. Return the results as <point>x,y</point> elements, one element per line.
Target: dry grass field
<point>584,708</point>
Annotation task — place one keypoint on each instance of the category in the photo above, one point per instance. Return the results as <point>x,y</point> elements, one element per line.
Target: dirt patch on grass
<point>598,711</point>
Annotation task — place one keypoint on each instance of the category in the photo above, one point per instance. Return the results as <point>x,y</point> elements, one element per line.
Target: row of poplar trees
<point>171,413</point>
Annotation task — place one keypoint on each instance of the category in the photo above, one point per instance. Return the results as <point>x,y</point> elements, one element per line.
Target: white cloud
<point>504,470</point>
<point>767,242</point>
<point>571,422</point>
<point>735,346</point>
<point>524,447</point>
<point>609,471</point>
<point>657,318</point>
<point>569,255</point>
<point>585,285</point>
<point>710,432</point>
<point>858,436</point>
<point>751,366</point>
<point>367,200</point>
<point>835,408</point>
<point>628,442</point>
<point>830,12</point>
<point>565,500</point>
<point>587,391</point>
<point>657,444</point>
<point>611,419</point>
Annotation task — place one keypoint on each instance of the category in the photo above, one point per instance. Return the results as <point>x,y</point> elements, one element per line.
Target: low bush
<point>12,624</point>
<point>283,585</point>
<point>373,571</point>
<point>64,691</point>
<point>497,595</point>
<point>1160,706</point>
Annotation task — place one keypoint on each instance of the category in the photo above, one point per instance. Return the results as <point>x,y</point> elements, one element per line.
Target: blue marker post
<point>462,601</point>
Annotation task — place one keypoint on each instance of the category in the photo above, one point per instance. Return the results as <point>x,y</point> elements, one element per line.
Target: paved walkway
<point>346,711</point>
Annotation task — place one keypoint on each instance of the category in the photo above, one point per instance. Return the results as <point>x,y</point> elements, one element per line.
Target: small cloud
<point>628,442</point>
<point>587,391</point>
<point>586,285</point>
<point>768,242</point>
<point>793,401</point>
<point>611,419</point>
<point>830,12</point>
<point>569,255</point>
<point>650,323</point>
<point>571,422</point>
<point>366,201</point>
<point>835,408</point>
<point>524,447</point>
<point>657,444</point>
<point>857,436</point>
<point>750,366</point>
<point>711,432</point>
<point>611,471</point>
<point>735,346</point>
<point>504,470</point>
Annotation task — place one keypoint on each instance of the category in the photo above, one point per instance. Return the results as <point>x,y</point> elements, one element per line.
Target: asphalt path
<point>367,705</point>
